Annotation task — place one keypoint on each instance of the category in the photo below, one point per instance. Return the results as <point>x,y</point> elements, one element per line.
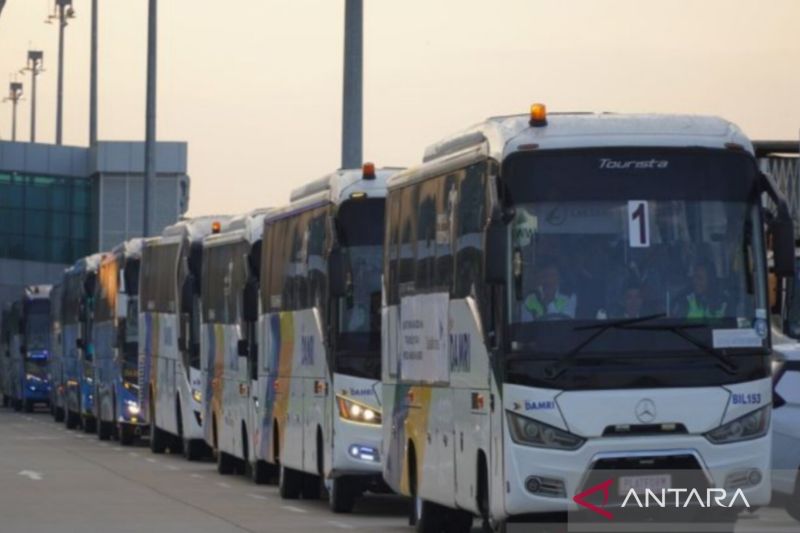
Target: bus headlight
<point>34,378</point>
<point>197,395</point>
<point>750,426</point>
<point>358,412</point>
<point>133,407</point>
<point>531,432</point>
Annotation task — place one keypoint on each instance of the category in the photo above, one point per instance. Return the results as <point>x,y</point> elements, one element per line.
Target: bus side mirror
<point>187,295</point>
<point>337,272</point>
<point>250,302</point>
<point>783,242</point>
<point>496,251</point>
<point>243,347</point>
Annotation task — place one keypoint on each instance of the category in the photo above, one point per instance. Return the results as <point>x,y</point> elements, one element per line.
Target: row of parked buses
<point>544,306</point>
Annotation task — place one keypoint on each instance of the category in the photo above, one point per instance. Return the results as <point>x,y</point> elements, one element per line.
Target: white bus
<point>170,392</point>
<point>234,382</point>
<point>577,302</point>
<point>116,319</point>
<point>319,337</point>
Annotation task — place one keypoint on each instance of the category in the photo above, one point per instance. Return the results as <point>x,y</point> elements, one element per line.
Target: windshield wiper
<point>558,368</point>
<point>726,362</point>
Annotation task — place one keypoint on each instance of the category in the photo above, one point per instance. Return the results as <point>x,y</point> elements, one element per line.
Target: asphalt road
<point>64,481</point>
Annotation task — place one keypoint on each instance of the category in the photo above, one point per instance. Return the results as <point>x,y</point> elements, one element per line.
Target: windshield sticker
<point>638,224</point>
<point>736,338</point>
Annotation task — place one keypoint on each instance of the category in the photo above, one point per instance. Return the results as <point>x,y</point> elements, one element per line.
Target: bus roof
<point>340,185</point>
<point>90,263</point>
<point>131,248</point>
<point>37,292</point>
<point>249,226</point>
<point>194,228</point>
<point>498,137</point>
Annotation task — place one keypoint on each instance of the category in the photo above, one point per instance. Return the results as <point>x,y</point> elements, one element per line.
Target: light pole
<point>352,100</point>
<point>35,67</point>
<point>14,96</point>
<point>63,11</point>
<point>150,126</point>
<point>93,80</point>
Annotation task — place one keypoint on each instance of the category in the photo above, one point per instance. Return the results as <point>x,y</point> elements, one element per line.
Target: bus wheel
<point>312,487</point>
<point>59,414</point>
<point>290,483</point>
<point>263,473</point>
<point>193,449</point>
<point>158,440</point>
<point>71,420</point>
<point>126,434</point>
<point>89,424</point>
<point>226,464</point>
<point>342,495</point>
<point>103,430</point>
<point>5,400</point>
<point>458,521</point>
<point>428,516</point>
<point>28,406</point>
<point>17,405</point>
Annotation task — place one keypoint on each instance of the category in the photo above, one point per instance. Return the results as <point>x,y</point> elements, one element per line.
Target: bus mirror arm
<point>782,230</point>
<point>496,247</point>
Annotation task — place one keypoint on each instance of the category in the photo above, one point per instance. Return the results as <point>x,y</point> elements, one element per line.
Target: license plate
<point>641,483</point>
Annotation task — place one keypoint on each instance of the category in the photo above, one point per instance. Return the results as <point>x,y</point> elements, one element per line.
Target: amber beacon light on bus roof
<point>538,115</point>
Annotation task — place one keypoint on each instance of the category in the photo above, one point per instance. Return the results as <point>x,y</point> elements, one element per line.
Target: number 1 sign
<point>638,224</point>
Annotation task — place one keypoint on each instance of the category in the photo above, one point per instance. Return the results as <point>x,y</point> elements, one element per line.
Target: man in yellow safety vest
<point>548,299</point>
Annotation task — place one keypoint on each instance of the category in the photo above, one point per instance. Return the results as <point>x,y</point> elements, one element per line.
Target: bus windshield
<point>37,325</point>
<point>668,236</point>
<point>360,225</point>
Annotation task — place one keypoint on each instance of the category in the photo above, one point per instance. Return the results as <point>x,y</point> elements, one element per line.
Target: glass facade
<point>45,218</point>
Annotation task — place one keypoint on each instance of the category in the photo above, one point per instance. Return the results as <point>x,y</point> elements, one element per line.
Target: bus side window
<point>469,243</point>
<point>426,236</point>
<point>408,237</point>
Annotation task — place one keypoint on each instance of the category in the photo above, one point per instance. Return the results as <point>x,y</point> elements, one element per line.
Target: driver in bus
<point>548,300</point>
<point>703,301</point>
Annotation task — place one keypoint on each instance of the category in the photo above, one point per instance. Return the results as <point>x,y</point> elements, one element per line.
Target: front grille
<point>639,430</point>
<point>684,469</point>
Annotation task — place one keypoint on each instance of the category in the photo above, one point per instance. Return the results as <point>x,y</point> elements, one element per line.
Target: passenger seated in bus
<point>547,301</point>
<point>632,303</point>
<point>590,275</point>
<point>703,300</point>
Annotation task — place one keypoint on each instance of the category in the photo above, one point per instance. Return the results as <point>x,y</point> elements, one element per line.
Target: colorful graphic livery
<point>169,336</point>
<point>572,298</point>
<point>319,337</point>
<point>116,343</point>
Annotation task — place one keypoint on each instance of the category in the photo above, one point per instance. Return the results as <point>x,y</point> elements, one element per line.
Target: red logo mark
<point>580,498</point>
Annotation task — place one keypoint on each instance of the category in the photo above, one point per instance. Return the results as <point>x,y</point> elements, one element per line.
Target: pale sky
<point>255,86</point>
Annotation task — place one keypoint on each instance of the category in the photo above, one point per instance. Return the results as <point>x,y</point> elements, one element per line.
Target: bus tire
<point>17,405</point>
<point>71,420</point>
<point>262,472</point>
<point>458,521</point>
<point>428,516</point>
<point>226,463</point>
<point>312,487</point>
<point>342,495</point>
<point>89,424</point>
<point>127,434</point>
<point>158,440</point>
<point>103,430</point>
<point>193,449</point>
<point>28,406</point>
<point>59,414</point>
<point>5,400</point>
<point>290,483</point>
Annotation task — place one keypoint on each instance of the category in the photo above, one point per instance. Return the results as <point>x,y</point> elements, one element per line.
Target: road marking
<point>133,454</point>
<point>151,460</point>
<point>173,468</point>
<point>197,476</point>
<point>33,476</point>
<point>118,449</point>
<point>293,509</point>
<point>340,525</point>
<point>258,496</point>
<point>223,485</point>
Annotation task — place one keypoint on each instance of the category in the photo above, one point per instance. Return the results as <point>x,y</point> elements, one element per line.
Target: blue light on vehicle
<point>364,453</point>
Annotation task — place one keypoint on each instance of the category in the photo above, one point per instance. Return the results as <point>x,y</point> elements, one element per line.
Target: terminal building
<point>60,203</point>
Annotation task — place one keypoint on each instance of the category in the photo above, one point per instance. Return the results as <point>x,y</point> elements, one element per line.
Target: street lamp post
<point>150,126</point>
<point>352,100</point>
<point>14,96</point>
<point>93,80</point>
<point>35,67</point>
<point>63,12</point>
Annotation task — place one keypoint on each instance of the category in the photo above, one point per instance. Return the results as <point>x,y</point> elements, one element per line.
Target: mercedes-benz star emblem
<point>646,411</point>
